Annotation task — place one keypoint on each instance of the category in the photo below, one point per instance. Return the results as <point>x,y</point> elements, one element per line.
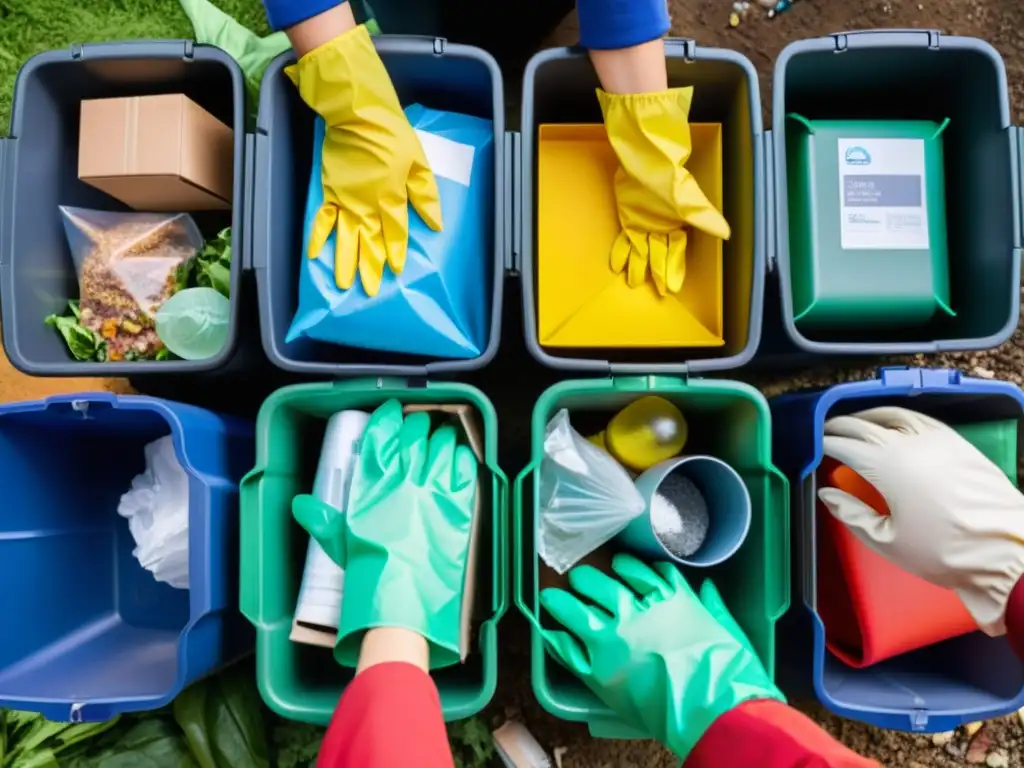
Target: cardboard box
<point>157,153</point>
<point>466,417</point>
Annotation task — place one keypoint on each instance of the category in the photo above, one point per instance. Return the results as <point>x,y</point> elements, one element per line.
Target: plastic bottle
<point>643,433</point>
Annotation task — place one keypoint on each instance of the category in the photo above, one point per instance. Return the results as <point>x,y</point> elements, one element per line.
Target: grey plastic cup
<point>729,511</point>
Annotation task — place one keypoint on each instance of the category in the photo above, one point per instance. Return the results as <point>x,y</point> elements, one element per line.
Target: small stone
<point>983,373</point>
<point>943,738</point>
<point>559,753</point>
<point>977,752</point>
<point>971,729</point>
<point>737,7</point>
<point>734,19</point>
<point>997,759</point>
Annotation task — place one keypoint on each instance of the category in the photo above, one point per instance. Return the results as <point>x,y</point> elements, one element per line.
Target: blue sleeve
<point>607,24</point>
<point>282,14</point>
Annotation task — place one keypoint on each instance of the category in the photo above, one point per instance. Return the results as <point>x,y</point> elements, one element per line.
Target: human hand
<point>662,659</point>
<point>955,519</point>
<point>373,163</point>
<point>404,539</point>
<point>658,199</point>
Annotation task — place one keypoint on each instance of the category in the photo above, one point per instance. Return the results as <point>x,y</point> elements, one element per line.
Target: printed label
<point>881,194</point>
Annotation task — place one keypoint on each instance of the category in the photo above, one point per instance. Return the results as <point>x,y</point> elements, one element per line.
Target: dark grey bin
<point>432,71</point>
<point>39,172</point>
<point>915,74</point>
<point>558,87</point>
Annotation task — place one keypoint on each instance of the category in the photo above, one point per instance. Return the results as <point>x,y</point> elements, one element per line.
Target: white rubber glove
<point>955,518</point>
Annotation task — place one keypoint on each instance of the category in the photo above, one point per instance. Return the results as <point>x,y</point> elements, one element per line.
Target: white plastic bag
<point>157,511</point>
<point>586,496</point>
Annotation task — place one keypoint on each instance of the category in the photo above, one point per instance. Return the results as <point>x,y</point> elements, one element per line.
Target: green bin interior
<point>303,682</point>
<point>727,419</point>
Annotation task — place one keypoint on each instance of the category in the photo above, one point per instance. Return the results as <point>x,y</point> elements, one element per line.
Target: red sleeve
<point>769,734</point>
<point>1014,618</point>
<point>388,717</point>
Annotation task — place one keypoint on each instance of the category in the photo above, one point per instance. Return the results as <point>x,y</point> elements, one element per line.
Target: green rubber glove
<point>404,540</point>
<point>663,660</point>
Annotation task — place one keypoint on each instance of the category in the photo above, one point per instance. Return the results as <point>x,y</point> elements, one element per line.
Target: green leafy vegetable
<point>471,743</point>
<point>223,721</point>
<point>152,740</point>
<point>213,264</point>
<point>28,740</point>
<point>83,343</point>
<point>295,745</point>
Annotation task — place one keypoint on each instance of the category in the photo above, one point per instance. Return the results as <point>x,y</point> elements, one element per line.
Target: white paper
<point>882,194</point>
<point>319,602</point>
<point>448,159</point>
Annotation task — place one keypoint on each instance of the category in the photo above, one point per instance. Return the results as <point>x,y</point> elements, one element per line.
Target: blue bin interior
<point>966,679</point>
<point>37,275</point>
<point>897,76</point>
<point>462,80</point>
<point>86,623</point>
<point>558,87</point>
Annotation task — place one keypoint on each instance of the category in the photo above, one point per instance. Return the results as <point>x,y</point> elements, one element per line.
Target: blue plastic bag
<point>440,305</point>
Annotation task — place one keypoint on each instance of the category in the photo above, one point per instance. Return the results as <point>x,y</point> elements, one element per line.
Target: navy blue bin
<point>88,633</point>
<point>966,679</point>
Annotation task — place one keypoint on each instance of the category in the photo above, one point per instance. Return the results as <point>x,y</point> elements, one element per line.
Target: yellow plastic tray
<point>582,303</point>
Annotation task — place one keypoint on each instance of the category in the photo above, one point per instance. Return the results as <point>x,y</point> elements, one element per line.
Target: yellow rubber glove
<point>373,163</point>
<point>657,197</point>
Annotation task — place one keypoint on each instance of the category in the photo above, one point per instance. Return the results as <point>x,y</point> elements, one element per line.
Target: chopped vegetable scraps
<point>211,268</point>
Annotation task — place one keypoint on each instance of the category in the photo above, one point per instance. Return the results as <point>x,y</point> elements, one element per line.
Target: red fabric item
<point>871,608</point>
<point>768,734</point>
<point>388,717</point>
<point>1014,618</point>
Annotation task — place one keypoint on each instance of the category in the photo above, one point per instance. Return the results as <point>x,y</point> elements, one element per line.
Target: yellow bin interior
<point>582,303</point>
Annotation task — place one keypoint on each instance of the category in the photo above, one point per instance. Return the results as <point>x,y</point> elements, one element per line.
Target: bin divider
<point>517,532</point>
<point>502,546</point>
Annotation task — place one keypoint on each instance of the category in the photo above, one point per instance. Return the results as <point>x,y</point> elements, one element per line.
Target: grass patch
<point>28,27</point>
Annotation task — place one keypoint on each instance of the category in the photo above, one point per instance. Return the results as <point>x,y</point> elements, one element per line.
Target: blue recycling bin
<point>88,633</point>
<point>966,679</point>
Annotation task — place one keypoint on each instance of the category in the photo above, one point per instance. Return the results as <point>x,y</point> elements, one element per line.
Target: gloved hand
<point>662,659</point>
<point>373,163</point>
<point>657,197</point>
<point>955,519</point>
<point>404,539</point>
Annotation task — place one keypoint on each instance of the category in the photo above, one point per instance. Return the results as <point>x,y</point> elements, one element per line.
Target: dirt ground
<point>1000,22</point>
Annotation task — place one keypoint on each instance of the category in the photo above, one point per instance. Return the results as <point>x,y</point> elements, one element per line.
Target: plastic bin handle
<point>502,554</point>
<point>249,542</point>
<point>885,38</point>
<point>778,542</point>
<point>135,49</point>
<point>517,560</point>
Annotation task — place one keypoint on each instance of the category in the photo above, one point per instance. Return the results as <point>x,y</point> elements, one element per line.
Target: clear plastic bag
<point>586,496</point>
<point>128,265</point>
<point>157,511</point>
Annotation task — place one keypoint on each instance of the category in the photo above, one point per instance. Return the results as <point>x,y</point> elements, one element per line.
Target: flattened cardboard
<point>467,418</point>
<point>156,153</point>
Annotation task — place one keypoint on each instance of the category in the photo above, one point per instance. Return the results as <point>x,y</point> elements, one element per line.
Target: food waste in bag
<point>129,265</point>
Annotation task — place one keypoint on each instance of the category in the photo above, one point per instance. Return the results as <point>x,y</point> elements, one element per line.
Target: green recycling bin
<point>302,681</point>
<point>728,420</point>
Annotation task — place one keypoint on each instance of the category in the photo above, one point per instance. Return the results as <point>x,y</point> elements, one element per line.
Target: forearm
<point>770,734</point>
<point>638,69</point>
<point>309,23</point>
